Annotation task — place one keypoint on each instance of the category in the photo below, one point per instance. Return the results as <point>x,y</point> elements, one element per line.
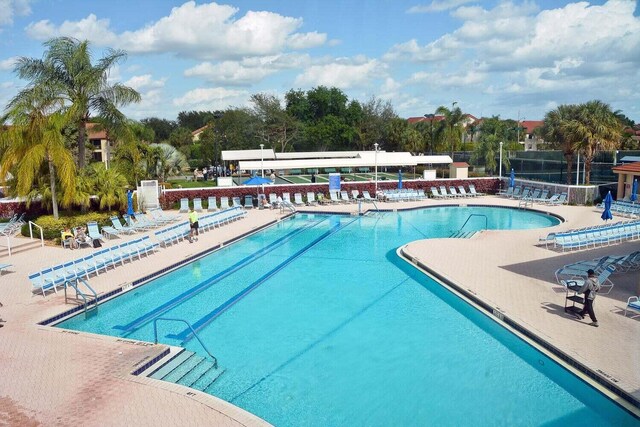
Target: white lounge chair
<point>212,204</point>
<point>184,205</point>
<point>297,198</point>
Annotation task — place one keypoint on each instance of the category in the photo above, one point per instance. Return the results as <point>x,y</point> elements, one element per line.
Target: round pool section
<point>316,322</point>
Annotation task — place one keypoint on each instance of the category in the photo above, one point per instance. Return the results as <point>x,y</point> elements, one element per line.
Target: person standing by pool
<point>589,289</point>
<point>193,222</point>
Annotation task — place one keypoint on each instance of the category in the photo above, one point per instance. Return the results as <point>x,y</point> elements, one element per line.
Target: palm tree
<point>109,186</point>
<point>555,131</point>
<point>453,125</point>
<point>165,160</point>
<point>83,88</point>
<point>36,138</point>
<point>595,128</point>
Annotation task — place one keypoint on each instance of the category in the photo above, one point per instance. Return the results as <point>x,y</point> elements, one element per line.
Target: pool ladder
<point>286,205</point>
<point>89,304</point>
<point>155,335</point>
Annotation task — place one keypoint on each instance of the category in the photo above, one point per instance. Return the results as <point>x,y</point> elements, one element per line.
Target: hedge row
<point>171,199</point>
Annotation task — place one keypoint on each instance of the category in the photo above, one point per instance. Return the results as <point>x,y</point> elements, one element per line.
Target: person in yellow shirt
<point>67,235</point>
<point>193,222</point>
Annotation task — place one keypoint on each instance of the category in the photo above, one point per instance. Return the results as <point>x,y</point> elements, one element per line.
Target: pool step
<point>189,369</point>
<point>462,234</point>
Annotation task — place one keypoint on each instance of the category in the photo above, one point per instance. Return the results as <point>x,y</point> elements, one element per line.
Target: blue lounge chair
<point>3,267</point>
<point>197,204</point>
<point>184,205</point>
<point>94,231</point>
<point>633,304</point>
<point>121,228</point>
<point>248,202</point>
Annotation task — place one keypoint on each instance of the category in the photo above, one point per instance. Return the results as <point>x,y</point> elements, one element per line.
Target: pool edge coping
<point>617,395</point>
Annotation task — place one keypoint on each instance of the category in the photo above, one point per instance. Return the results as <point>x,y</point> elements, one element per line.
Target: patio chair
<point>236,202</point>
<point>542,198</point>
<point>603,278</point>
<point>197,204</point>
<point>311,199</point>
<point>212,204</point>
<point>81,237</point>
<point>633,304</point>
<point>297,199</point>
<point>273,200</point>
<point>561,200</point>
<point>3,267</point>
<point>94,231</point>
<point>472,189</point>
<point>515,193</point>
<point>355,194</point>
<point>121,228</point>
<point>436,194</point>
<point>333,196</point>
<point>443,192</point>
<point>508,193</point>
<point>367,196</point>
<point>184,205</point>
<point>286,198</point>
<point>224,203</point>
<point>248,202</point>
<point>453,192</point>
<point>344,197</point>
<point>464,193</point>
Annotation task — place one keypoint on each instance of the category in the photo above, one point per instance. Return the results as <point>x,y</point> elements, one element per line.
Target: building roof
<point>199,130</point>
<point>235,155</point>
<point>460,164</point>
<point>94,133</point>
<point>364,159</point>
<point>412,120</point>
<point>530,125</point>
<point>633,168</point>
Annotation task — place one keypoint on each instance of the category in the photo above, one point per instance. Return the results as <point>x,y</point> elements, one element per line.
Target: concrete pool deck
<point>52,376</point>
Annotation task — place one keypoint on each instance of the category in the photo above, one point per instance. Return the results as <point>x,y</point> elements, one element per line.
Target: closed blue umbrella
<point>129,202</point>
<point>606,214</point>
<point>634,191</point>
<point>512,178</point>
<point>399,179</point>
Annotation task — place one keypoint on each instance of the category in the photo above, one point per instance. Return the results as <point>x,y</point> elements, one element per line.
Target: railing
<point>287,205</point>
<point>31,224</point>
<point>486,221</point>
<point>155,336</point>
<point>74,284</point>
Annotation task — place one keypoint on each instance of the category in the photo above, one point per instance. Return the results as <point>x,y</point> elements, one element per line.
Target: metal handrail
<point>155,336</point>
<point>31,232</point>
<point>288,205</point>
<point>80,293</point>
<point>486,221</point>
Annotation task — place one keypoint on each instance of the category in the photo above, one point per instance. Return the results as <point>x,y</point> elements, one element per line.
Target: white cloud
<point>438,6</point>
<point>452,80</point>
<point>247,71</point>
<point>343,74</point>
<point>8,64</point>
<point>12,8</point>
<point>145,82</point>
<point>442,49</point>
<point>89,28</point>
<point>205,31</point>
<point>211,98</point>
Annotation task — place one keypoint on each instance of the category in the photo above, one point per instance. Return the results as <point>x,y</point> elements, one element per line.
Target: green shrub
<point>51,227</point>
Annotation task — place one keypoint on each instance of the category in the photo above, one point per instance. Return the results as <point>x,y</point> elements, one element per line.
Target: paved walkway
<point>51,376</point>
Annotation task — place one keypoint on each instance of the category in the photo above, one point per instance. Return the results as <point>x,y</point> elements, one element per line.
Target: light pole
<point>376,167</point>
<point>261,161</point>
<point>500,161</point>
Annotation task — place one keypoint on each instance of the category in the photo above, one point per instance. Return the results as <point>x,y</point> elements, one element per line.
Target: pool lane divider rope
<point>186,335</point>
<point>202,286</point>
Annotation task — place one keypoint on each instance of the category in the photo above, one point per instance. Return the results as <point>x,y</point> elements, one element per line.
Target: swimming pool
<point>317,322</point>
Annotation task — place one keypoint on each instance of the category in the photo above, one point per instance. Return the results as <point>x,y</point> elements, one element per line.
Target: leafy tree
<point>376,116</point>
<point>277,128</point>
<point>36,138</point>
<point>595,128</point>
<point>453,119</point>
<point>109,186</point>
<point>193,120</point>
<point>67,73</point>
<point>555,131</point>
<point>487,148</point>
<point>162,128</point>
<point>181,137</point>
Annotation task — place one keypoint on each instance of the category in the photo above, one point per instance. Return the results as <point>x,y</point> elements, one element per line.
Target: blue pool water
<point>318,323</point>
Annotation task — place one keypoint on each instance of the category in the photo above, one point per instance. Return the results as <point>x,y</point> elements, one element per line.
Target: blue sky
<point>507,58</point>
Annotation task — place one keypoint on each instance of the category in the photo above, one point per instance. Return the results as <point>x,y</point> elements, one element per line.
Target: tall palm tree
<point>36,138</point>
<point>596,127</point>
<point>109,186</point>
<point>555,131</point>
<point>83,87</point>
<point>453,125</point>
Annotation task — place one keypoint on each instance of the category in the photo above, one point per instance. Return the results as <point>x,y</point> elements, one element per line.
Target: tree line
<point>43,139</point>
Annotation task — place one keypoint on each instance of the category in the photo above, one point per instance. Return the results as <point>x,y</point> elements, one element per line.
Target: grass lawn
<point>183,183</point>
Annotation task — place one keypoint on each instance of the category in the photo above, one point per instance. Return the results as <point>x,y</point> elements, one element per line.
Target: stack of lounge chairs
<point>590,237</point>
<point>180,231</point>
<point>52,278</point>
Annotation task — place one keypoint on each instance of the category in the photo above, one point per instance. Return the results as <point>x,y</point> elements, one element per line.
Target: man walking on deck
<point>589,289</point>
<point>193,222</point>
